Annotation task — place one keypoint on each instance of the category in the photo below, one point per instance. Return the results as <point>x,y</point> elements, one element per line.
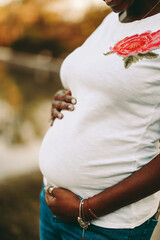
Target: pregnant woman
<point>100,160</point>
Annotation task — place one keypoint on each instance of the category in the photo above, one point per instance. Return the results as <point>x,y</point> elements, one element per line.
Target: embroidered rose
<point>137,47</point>
<point>132,45</point>
<point>155,43</point>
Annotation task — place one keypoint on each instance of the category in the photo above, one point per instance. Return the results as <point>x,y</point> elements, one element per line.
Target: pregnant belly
<point>59,157</point>
<point>74,156</point>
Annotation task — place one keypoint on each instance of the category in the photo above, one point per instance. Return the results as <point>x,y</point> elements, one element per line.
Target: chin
<point>121,5</point>
<point>117,9</point>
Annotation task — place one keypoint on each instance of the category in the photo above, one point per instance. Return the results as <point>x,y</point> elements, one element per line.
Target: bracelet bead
<point>90,210</point>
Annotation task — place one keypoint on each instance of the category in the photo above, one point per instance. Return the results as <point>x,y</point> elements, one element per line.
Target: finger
<point>67,98</point>
<point>65,95</point>
<point>56,114</point>
<point>50,199</point>
<point>68,92</point>
<point>62,105</point>
<point>60,95</point>
<point>55,191</point>
<point>60,92</point>
<point>46,198</point>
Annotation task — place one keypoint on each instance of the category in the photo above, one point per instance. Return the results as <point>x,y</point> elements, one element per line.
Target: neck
<point>140,9</point>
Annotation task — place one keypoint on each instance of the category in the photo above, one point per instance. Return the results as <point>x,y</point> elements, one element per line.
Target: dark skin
<point>140,184</point>
<point>135,9</point>
<point>62,101</point>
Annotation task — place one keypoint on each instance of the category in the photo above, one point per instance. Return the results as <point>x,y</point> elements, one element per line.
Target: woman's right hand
<point>62,100</point>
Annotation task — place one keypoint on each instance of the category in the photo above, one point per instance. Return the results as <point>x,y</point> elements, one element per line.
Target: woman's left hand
<point>63,204</point>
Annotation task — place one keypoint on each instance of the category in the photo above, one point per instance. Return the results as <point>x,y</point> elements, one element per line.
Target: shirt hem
<point>114,225</point>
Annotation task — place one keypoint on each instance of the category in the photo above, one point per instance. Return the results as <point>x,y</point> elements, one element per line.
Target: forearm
<point>139,185</point>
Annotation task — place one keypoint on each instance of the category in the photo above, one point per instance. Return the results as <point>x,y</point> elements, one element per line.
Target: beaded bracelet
<point>90,210</point>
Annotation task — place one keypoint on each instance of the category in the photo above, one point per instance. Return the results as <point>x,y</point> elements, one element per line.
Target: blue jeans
<point>52,228</point>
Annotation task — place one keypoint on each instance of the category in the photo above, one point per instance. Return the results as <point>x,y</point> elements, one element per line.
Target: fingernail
<point>70,107</point>
<point>60,116</point>
<point>73,101</point>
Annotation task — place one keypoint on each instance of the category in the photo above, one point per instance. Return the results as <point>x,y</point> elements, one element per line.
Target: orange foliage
<point>30,19</point>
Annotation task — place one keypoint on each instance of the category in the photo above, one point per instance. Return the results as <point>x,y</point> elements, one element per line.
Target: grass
<point>19,207</point>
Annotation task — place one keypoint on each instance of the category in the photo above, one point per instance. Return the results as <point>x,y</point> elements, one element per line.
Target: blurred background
<point>35,37</point>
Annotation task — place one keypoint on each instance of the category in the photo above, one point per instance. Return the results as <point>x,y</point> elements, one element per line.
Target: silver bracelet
<point>81,219</point>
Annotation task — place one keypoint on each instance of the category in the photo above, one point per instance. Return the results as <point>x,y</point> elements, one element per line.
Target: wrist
<point>76,209</point>
<point>90,210</point>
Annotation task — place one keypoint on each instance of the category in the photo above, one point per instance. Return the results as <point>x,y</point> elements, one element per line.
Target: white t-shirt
<point>115,127</point>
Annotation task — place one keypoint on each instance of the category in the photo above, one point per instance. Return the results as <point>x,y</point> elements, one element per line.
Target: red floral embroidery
<point>137,47</point>
<point>155,43</point>
<point>137,44</point>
